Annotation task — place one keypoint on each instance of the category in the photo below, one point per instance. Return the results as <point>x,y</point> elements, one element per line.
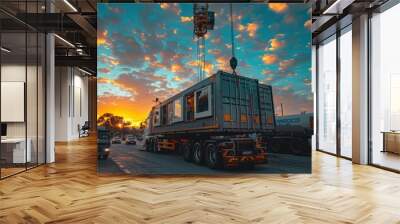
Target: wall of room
<point>33,127</point>
<point>71,102</point>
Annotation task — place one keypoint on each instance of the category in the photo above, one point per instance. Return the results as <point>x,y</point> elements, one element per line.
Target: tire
<point>155,145</point>
<point>198,153</point>
<point>147,145</point>
<point>213,157</point>
<point>187,153</point>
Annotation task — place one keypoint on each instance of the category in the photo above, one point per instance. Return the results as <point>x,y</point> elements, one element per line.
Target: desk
<point>19,155</point>
<point>391,141</point>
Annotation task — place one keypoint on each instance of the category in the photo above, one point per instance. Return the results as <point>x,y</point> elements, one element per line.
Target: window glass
<point>170,113</point>
<point>156,117</point>
<point>346,94</point>
<point>385,88</point>
<point>202,100</point>
<point>327,96</point>
<point>178,109</point>
<point>164,115</point>
<point>190,107</point>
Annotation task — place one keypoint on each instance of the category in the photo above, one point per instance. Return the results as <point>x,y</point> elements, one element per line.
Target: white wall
<point>71,102</point>
<point>33,126</point>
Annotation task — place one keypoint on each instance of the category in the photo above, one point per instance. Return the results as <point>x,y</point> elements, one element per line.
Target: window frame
<point>155,122</point>
<point>208,113</point>
<point>175,118</point>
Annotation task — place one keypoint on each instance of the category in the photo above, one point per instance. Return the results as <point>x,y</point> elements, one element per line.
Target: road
<point>131,159</point>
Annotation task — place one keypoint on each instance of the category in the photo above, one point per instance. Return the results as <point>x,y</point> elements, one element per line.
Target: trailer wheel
<point>151,145</point>
<point>187,153</point>
<point>147,145</point>
<point>155,145</point>
<point>213,158</point>
<point>198,154</point>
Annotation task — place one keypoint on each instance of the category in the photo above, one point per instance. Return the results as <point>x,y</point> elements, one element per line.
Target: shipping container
<point>223,103</point>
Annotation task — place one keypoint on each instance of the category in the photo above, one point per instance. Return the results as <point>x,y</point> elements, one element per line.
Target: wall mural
<point>204,88</point>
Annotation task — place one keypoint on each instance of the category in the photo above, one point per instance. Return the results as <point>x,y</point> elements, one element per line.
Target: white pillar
<point>360,90</point>
<point>50,99</point>
<point>50,92</point>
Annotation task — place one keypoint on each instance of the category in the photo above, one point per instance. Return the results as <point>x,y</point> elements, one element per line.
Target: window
<point>203,102</point>
<point>385,89</point>
<point>178,110</point>
<point>346,75</point>
<point>156,117</point>
<point>170,113</point>
<point>327,95</point>
<point>190,107</point>
<point>164,114</point>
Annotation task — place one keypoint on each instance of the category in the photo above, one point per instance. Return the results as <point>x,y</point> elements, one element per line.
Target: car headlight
<point>106,149</point>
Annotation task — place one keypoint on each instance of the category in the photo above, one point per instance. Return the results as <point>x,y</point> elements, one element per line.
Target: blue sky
<point>148,50</point>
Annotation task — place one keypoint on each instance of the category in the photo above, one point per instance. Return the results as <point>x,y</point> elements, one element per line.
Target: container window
<point>170,113</point>
<point>190,107</point>
<point>164,115</point>
<point>178,110</point>
<point>156,117</point>
<point>203,102</point>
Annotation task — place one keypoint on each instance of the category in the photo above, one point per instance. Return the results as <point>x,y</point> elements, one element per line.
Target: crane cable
<point>232,34</point>
<point>233,61</point>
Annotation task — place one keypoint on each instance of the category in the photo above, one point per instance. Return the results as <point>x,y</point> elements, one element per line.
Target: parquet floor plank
<point>70,191</point>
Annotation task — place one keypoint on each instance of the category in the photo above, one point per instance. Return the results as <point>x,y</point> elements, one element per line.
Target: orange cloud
<point>275,44</point>
<point>269,59</point>
<point>102,38</point>
<point>208,68</point>
<point>214,51</point>
<point>192,63</point>
<point>221,60</point>
<point>240,27</point>
<point>164,5</point>
<point>114,62</point>
<point>172,7</point>
<point>278,7</point>
<point>176,68</point>
<point>251,29</point>
<point>177,78</point>
<point>186,19</point>
<point>308,24</point>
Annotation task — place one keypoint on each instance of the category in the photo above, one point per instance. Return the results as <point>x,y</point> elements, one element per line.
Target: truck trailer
<point>221,121</point>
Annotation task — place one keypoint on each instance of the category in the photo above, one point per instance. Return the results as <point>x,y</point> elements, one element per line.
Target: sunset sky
<point>147,51</point>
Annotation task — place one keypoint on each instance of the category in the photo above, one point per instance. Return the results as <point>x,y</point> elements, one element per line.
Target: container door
<point>266,107</point>
<point>239,102</point>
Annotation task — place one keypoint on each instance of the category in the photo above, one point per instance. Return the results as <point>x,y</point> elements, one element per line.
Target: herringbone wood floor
<point>70,191</point>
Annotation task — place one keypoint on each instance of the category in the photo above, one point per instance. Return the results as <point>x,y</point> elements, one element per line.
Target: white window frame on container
<point>178,115</point>
<point>208,112</point>
<point>157,117</point>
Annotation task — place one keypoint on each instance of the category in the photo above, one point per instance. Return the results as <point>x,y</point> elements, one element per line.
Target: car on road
<point>139,138</point>
<point>103,143</point>
<point>116,140</point>
<point>130,141</point>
